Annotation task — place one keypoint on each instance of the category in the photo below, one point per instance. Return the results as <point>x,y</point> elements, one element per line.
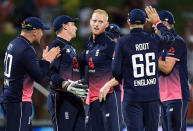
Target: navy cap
<point>63,19</point>
<point>165,15</point>
<point>32,23</point>
<point>137,16</point>
<point>113,31</point>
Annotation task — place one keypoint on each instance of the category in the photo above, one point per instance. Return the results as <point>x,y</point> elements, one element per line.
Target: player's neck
<point>28,37</point>
<point>65,36</point>
<point>136,26</point>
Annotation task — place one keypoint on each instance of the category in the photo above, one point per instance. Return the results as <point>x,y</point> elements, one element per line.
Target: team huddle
<point>123,79</point>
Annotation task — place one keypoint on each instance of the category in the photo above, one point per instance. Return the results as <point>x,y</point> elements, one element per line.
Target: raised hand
<point>152,14</point>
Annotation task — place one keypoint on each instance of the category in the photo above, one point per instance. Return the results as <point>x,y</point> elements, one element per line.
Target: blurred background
<point>13,12</point>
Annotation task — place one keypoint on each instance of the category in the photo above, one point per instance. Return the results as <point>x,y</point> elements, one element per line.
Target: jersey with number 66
<point>136,62</point>
<point>21,67</point>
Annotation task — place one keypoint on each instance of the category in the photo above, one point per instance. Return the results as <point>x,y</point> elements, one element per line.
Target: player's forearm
<point>113,82</point>
<point>164,67</point>
<point>167,36</point>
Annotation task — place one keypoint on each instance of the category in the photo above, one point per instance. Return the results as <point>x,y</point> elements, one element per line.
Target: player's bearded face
<point>98,23</point>
<point>39,35</point>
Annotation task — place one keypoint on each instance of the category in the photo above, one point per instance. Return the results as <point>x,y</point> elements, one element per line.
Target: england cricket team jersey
<point>175,85</point>
<point>136,62</point>
<point>21,68</point>
<point>66,66</point>
<point>98,56</point>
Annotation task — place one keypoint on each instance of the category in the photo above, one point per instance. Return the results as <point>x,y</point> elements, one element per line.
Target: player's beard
<point>37,41</point>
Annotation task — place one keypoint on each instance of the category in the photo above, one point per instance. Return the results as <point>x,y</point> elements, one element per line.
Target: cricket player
<point>136,64</point>
<point>173,80</point>
<point>103,116</point>
<point>21,69</point>
<point>113,31</point>
<point>64,101</point>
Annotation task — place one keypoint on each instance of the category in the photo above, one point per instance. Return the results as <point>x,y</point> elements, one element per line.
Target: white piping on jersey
<point>55,112</point>
<point>117,110</point>
<point>20,116</point>
<point>28,44</point>
<point>122,113</point>
<point>123,117</point>
<point>60,41</point>
<point>181,115</point>
<point>24,40</point>
<point>159,119</point>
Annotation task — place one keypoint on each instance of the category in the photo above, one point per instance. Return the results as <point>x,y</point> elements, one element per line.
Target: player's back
<point>140,60</point>
<point>14,69</point>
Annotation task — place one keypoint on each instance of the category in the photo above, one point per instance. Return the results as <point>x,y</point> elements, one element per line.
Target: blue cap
<point>165,15</point>
<point>63,19</point>
<point>32,23</point>
<point>113,31</point>
<point>137,16</point>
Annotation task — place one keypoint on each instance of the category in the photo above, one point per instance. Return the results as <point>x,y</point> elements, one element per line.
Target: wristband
<point>156,22</point>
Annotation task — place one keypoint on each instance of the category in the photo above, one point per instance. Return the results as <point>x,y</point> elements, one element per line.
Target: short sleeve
<point>176,50</point>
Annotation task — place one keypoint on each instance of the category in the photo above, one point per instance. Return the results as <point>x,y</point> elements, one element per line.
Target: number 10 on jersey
<point>7,64</point>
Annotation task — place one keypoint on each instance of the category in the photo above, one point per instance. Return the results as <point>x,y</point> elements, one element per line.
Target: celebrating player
<point>136,63</point>
<point>98,56</point>
<point>21,68</point>
<point>65,108</point>
<point>173,80</point>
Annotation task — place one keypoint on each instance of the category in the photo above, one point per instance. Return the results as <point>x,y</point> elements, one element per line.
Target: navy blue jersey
<point>136,62</point>
<point>98,56</point>
<point>66,109</point>
<point>21,67</point>
<point>175,85</point>
<point>66,66</point>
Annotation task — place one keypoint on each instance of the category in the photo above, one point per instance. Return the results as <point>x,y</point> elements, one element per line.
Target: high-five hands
<point>152,14</point>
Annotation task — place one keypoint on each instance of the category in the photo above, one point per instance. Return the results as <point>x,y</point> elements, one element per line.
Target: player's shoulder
<point>110,41</point>
<point>153,35</point>
<point>124,39</point>
<point>110,44</point>
<point>106,39</point>
<point>56,43</point>
<point>19,44</point>
<point>179,39</point>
